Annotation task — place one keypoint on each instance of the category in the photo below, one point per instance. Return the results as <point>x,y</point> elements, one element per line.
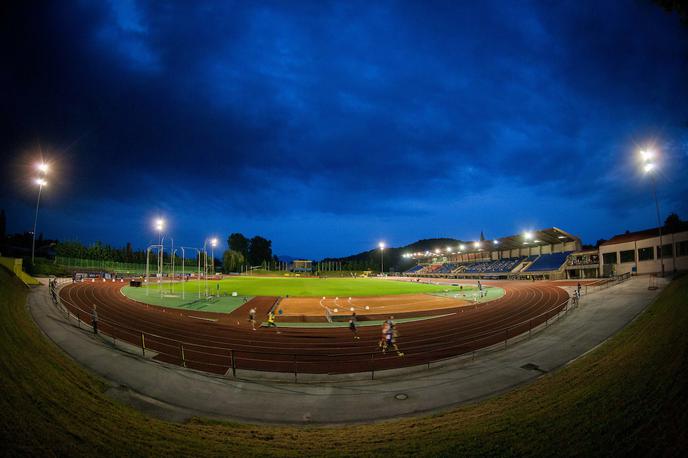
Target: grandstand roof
<point>549,236</point>
<point>526,239</point>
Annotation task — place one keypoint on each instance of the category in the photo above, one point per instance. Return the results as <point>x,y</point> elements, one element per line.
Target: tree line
<point>242,251</point>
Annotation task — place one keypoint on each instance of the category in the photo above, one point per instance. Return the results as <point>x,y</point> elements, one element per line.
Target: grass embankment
<point>309,287</point>
<point>625,397</point>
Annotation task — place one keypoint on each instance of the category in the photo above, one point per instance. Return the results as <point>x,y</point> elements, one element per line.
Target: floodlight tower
<point>213,244</point>
<point>382,257</point>
<point>40,181</point>
<point>160,226</point>
<point>647,158</point>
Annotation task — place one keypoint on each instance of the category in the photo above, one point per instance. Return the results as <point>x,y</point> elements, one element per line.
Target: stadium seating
<point>446,268</point>
<point>433,268</point>
<point>498,266</point>
<point>547,262</point>
<point>415,269</point>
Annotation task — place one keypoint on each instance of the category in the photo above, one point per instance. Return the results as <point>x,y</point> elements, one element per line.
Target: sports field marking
<point>201,318</point>
<point>345,324</point>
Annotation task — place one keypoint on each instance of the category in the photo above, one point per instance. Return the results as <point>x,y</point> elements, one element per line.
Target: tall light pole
<point>40,181</point>
<point>382,257</point>
<point>650,167</point>
<point>159,226</point>
<point>213,244</point>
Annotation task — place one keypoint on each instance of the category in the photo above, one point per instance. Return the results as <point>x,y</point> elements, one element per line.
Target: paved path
<point>173,393</point>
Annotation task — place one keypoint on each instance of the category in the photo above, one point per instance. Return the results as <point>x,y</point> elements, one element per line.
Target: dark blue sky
<point>327,127</point>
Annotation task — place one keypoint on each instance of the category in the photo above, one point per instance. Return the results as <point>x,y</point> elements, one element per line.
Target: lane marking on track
<point>201,318</point>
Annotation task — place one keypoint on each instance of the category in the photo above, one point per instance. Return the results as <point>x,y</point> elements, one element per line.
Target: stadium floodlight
<point>160,226</point>
<point>476,245</point>
<point>647,157</point>
<point>495,242</point>
<point>382,257</point>
<point>462,247</point>
<point>42,167</point>
<point>437,251</point>
<point>449,249</point>
<point>527,235</point>
<point>536,241</point>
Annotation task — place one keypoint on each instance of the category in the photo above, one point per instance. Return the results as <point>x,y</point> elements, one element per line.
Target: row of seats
<point>540,263</point>
<point>446,268</point>
<point>415,269</point>
<point>546,262</point>
<point>498,266</point>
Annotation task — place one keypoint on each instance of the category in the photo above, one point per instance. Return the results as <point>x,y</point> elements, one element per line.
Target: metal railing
<point>604,283</point>
<point>227,360</point>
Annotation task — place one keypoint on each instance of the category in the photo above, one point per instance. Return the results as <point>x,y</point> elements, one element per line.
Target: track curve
<point>187,338</point>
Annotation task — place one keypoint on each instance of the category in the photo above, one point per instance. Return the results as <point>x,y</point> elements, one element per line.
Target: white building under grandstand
<point>640,253</point>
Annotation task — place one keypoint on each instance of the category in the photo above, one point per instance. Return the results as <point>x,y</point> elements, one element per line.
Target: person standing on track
<point>252,317</point>
<point>94,319</point>
<point>352,326</point>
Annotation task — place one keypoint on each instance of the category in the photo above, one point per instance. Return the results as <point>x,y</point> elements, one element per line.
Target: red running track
<point>180,337</point>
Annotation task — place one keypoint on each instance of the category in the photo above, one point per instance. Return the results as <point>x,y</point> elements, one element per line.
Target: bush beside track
<point>626,396</point>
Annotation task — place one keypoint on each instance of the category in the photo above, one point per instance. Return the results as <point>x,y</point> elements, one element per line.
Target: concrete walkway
<point>174,393</point>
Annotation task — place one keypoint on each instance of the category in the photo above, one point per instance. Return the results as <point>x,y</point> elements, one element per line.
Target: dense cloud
<point>326,126</point>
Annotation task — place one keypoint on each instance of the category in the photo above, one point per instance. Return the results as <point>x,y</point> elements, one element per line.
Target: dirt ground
<point>304,307</point>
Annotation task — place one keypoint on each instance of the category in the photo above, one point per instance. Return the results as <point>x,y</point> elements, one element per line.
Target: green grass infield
<point>308,287</point>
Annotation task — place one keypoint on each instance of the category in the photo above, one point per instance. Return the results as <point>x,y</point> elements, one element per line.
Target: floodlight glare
<point>41,182</point>
<point>43,167</point>
<point>213,243</point>
<point>648,167</point>
<point>647,155</point>
<point>381,245</point>
<point>462,247</point>
<point>159,224</point>
<point>476,245</point>
<point>528,235</point>
<point>437,251</point>
<point>496,242</point>
<point>448,248</point>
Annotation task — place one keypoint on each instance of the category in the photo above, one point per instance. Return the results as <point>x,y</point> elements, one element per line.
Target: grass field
<point>626,397</point>
<point>310,287</point>
<point>190,301</point>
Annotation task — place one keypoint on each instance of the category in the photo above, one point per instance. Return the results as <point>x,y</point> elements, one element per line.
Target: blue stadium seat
<point>545,262</point>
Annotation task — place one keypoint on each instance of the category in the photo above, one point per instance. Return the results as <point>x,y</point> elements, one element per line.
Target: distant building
<point>639,252</point>
<point>302,265</point>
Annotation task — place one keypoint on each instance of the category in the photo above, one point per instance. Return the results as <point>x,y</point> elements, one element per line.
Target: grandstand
<point>533,254</point>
